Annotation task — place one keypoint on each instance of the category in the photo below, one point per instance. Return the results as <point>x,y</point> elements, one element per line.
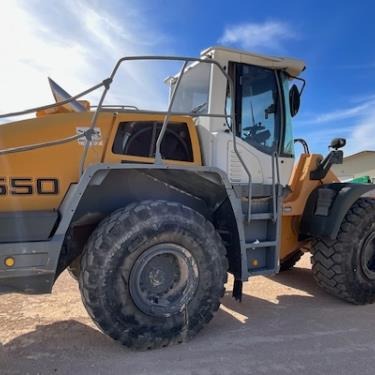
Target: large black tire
<point>124,300</point>
<point>288,263</point>
<point>345,267</point>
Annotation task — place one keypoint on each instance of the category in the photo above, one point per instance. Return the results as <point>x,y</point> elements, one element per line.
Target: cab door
<point>263,127</point>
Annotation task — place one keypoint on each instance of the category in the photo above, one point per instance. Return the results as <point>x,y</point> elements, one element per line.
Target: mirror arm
<point>334,157</point>
<point>298,79</point>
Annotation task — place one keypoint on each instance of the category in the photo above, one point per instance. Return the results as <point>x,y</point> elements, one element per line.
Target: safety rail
<point>107,83</point>
<point>34,146</point>
<point>275,185</point>
<point>117,106</point>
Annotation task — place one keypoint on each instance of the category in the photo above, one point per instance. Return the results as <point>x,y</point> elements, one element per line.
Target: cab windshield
<point>193,92</point>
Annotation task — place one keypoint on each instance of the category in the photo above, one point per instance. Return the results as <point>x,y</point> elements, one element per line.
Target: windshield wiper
<point>199,108</point>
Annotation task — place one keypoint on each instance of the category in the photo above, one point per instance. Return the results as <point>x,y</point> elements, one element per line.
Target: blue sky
<point>77,43</point>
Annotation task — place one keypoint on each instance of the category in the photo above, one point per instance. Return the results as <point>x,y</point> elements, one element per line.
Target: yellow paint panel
<point>294,203</point>
<point>110,157</point>
<point>62,162</point>
<point>289,235</point>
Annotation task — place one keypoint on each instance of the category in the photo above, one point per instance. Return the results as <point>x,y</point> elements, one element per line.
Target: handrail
<point>303,143</point>
<point>231,93</point>
<point>115,106</point>
<point>107,108</point>
<point>275,179</point>
<point>274,208</point>
<point>166,118</point>
<point>87,133</point>
<point>106,84</point>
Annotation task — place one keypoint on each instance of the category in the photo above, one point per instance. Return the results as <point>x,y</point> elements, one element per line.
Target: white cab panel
<point>217,149</point>
<point>226,159</point>
<point>286,165</point>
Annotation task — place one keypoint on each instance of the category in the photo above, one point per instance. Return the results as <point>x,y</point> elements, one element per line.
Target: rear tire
<point>345,267</point>
<point>152,274</point>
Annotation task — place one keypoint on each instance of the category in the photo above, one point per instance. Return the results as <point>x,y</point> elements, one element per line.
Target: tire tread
<point>96,254</point>
<point>330,256</point>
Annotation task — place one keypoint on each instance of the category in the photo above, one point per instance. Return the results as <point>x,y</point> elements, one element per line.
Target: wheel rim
<point>163,280</point>
<point>368,256</point>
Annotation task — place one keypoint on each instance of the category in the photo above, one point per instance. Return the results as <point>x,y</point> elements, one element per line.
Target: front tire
<point>345,267</point>
<point>152,274</point>
<point>74,268</point>
<point>288,263</point>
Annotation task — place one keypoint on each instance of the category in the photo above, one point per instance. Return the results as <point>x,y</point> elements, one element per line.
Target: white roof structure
<point>292,66</point>
<point>362,153</point>
<point>356,165</point>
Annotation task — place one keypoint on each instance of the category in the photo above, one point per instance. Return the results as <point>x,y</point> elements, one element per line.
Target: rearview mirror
<point>294,100</point>
<point>337,143</point>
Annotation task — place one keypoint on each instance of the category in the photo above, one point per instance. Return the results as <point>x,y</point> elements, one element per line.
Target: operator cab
<point>264,106</point>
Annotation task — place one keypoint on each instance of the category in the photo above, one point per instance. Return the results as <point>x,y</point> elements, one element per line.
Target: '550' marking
<point>28,186</point>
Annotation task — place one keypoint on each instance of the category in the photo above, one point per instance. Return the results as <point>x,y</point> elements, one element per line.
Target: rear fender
<point>327,206</point>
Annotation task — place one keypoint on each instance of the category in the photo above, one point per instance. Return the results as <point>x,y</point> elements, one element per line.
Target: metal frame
<point>107,83</point>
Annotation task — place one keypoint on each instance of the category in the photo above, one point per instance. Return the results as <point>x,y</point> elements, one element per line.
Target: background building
<point>357,165</point>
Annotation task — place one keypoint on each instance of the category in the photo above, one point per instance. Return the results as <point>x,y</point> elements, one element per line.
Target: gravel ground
<point>284,325</point>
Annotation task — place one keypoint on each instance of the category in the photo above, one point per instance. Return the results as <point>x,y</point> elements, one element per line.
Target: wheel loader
<point>150,210</point>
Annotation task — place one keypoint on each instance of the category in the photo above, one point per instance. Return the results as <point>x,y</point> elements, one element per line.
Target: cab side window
<point>288,141</point>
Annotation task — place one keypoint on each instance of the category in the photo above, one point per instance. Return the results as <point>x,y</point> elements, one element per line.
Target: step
<point>258,190</point>
<point>256,245</point>
<point>258,206</point>
<point>262,216</point>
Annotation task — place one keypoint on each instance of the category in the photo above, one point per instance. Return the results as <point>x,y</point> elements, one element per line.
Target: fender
<point>327,206</point>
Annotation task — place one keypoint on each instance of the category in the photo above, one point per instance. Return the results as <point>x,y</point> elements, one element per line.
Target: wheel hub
<point>156,277</point>
<point>163,279</point>
<point>368,256</point>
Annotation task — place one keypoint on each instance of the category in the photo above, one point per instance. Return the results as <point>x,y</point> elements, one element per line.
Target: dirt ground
<point>284,325</point>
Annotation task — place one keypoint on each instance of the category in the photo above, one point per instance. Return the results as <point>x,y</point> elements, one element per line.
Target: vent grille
<point>236,173</point>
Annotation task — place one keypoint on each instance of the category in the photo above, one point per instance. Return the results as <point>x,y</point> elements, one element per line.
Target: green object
<point>361,180</point>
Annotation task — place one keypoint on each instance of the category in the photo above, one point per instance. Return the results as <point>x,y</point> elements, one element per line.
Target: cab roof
<point>292,66</point>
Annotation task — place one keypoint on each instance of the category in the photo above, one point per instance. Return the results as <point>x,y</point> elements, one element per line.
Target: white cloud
<point>352,112</point>
<point>362,136</point>
<point>29,55</point>
<point>359,130</point>
<point>77,44</point>
<point>268,35</point>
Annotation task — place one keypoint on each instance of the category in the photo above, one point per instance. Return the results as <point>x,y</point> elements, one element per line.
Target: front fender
<point>327,206</point>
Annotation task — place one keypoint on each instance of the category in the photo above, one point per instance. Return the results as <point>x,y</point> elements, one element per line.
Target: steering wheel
<point>257,133</point>
<point>174,145</point>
